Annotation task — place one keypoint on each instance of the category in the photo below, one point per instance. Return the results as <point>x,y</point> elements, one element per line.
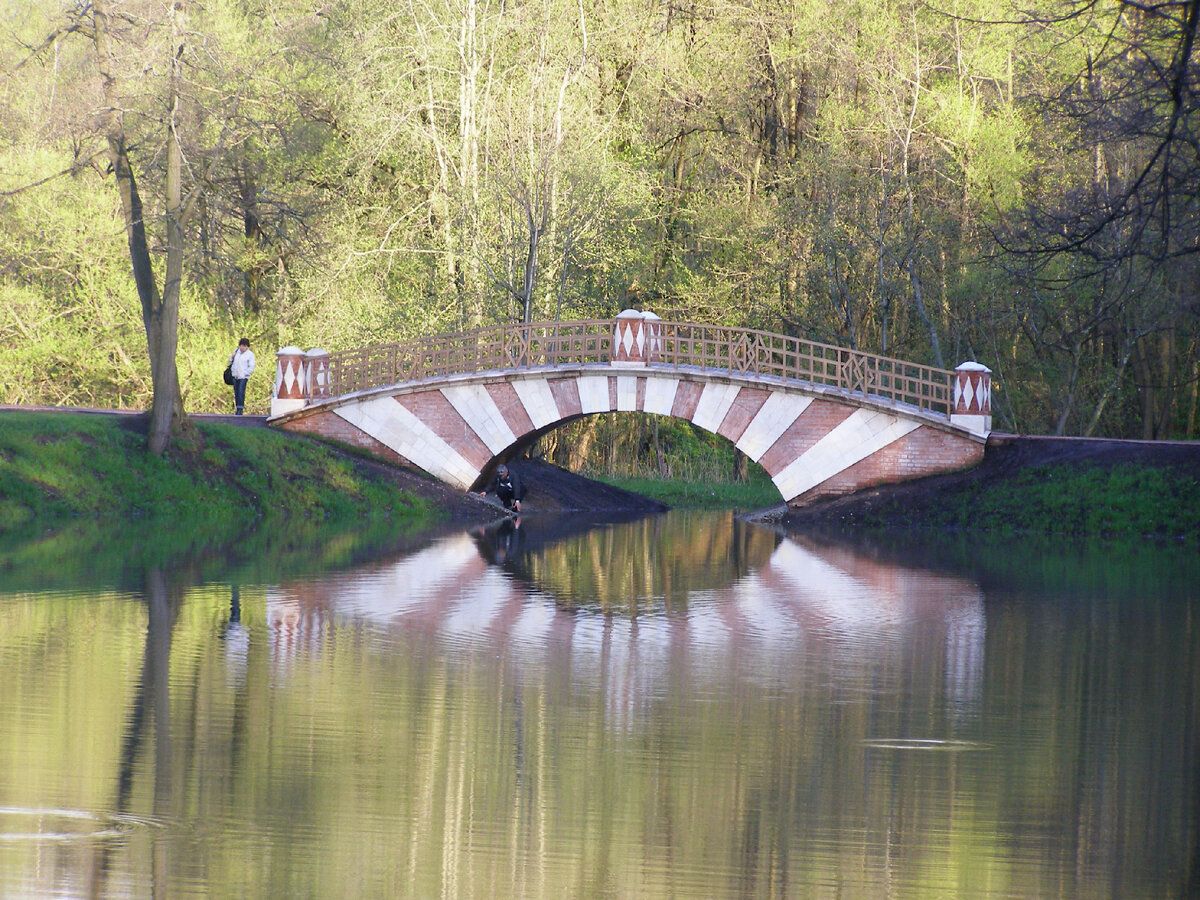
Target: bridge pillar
<point>291,382</point>
<point>972,398</point>
<point>636,338</point>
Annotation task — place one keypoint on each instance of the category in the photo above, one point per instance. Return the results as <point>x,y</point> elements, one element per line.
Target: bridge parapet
<point>635,338</point>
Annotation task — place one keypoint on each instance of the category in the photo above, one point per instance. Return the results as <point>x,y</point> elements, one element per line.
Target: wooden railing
<point>674,345</point>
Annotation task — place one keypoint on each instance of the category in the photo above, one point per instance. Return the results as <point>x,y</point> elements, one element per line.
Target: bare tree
<point>1121,212</point>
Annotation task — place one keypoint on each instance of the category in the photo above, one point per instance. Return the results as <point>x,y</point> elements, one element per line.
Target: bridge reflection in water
<point>626,608</point>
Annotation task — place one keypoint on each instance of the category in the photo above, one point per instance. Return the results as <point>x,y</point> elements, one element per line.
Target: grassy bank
<point>1120,501</point>
<point>754,493</point>
<point>57,469</point>
<point>82,503</point>
<point>1124,501</point>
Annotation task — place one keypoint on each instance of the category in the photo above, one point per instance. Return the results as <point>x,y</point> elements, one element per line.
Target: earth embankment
<point>1014,474</point>
<point>550,489</point>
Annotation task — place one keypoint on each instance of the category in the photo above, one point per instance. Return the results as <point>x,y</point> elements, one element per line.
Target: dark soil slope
<point>549,489</point>
<point>553,489</point>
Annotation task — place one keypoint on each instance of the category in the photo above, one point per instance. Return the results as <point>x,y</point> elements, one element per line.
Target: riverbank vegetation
<point>750,494</point>
<point>1123,502</point>
<point>222,481</point>
<point>932,182</point>
<point>1119,490</point>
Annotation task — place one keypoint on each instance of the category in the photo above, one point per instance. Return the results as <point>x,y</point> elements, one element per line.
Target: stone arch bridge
<point>820,419</point>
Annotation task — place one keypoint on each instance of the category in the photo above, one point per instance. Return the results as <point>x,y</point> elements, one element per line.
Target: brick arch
<point>812,441</point>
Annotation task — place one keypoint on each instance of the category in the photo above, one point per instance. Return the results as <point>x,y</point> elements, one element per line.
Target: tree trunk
<point>529,281</point>
<point>167,411</point>
<point>252,227</point>
<point>581,447</point>
<point>1109,391</point>
<point>739,465</point>
<point>160,312</point>
<point>659,462</point>
<point>1144,383</point>
<point>1195,404</point>
<point>1060,426</point>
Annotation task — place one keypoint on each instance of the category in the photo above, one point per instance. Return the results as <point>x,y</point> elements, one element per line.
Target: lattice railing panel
<point>671,344</point>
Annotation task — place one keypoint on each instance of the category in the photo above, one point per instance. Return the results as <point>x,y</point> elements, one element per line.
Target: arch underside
<point>812,441</point>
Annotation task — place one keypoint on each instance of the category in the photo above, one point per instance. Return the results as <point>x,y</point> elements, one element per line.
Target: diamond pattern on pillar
<point>627,339</point>
<point>287,371</point>
<point>966,393</point>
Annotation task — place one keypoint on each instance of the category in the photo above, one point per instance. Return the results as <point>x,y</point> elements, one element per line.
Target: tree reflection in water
<point>677,706</point>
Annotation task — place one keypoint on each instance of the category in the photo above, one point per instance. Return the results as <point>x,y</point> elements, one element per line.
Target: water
<point>681,706</point>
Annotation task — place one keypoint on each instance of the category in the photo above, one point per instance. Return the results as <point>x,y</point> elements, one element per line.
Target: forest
<point>936,181</point>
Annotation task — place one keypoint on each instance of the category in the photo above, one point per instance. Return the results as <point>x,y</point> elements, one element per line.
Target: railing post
<point>316,370</point>
<point>291,386</point>
<point>652,328</point>
<point>972,405</point>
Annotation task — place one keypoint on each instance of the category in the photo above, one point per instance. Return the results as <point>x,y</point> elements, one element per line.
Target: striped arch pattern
<point>812,443</point>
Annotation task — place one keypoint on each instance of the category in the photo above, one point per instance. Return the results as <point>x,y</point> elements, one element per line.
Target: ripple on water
<point>18,825</point>
<point>922,744</point>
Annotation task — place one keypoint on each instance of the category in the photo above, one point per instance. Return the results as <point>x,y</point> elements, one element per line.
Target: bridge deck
<point>933,416</point>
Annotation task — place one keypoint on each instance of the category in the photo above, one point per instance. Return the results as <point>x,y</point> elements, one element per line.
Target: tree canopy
<point>938,182</point>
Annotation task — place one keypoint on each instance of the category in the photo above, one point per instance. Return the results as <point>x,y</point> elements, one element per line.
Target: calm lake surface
<point>679,706</point>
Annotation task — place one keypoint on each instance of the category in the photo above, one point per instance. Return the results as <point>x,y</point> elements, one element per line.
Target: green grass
<point>1121,502</point>
<point>750,494</point>
<point>57,468</point>
<point>83,503</point>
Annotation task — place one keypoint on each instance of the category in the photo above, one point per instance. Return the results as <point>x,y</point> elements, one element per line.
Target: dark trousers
<point>239,394</point>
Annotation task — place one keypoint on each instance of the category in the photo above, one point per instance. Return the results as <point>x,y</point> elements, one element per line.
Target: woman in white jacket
<point>241,363</point>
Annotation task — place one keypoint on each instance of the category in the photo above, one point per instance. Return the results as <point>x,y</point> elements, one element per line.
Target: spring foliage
<point>902,178</point>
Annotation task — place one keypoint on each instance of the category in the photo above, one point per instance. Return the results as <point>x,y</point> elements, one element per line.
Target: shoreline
<point>1024,484</point>
<point>205,455</point>
<point>1036,485</point>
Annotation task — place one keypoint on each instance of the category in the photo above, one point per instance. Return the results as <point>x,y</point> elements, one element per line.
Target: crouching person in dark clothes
<point>508,487</point>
